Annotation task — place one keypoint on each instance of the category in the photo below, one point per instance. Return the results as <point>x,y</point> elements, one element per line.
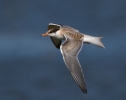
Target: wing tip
<point>84,91</point>
<point>55,24</point>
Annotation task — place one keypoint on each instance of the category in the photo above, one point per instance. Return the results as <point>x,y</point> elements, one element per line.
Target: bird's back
<point>71,32</point>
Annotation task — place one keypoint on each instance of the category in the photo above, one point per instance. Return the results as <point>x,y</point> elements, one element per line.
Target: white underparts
<point>59,35</point>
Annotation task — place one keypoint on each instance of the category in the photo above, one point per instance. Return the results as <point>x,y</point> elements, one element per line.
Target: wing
<point>70,49</point>
<point>52,25</point>
<point>56,42</point>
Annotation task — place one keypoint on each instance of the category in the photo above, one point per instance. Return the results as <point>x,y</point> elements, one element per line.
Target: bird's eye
<point>53,30</point>
<point>50,31</point>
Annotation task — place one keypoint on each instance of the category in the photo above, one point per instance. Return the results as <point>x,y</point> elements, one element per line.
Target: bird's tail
<point>93,40</point>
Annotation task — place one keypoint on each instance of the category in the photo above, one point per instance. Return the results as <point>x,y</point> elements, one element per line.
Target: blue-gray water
<point>31,68</point>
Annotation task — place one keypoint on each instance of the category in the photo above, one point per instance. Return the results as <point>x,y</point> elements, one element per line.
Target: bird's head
<point>52,29</point>
<point>51,32</point>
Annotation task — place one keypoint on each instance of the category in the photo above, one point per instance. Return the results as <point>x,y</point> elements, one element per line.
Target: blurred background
<point>32,68</point>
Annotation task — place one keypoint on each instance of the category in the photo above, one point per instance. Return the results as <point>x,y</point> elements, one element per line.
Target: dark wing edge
<point>56,42</point>
<point>52,25</point>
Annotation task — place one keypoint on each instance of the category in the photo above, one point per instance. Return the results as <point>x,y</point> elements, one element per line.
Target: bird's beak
<point>44,34</point>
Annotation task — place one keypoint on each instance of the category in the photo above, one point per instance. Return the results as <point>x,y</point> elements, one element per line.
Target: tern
<point>70,48</point>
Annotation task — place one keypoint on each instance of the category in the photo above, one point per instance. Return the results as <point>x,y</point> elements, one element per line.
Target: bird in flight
<point>70,48</point>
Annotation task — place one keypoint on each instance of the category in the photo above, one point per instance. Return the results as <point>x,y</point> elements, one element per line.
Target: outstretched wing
<point>52,25</point>
<point>56,42</point>
<point>70,49</point>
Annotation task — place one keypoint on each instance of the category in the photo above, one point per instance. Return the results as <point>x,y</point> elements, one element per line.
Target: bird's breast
<point>59,35</point>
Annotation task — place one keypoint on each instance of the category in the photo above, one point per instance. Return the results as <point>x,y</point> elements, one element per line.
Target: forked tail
<point>93,40</point>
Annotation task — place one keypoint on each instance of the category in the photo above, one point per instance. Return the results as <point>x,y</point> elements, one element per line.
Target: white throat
<point>59,35</point>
